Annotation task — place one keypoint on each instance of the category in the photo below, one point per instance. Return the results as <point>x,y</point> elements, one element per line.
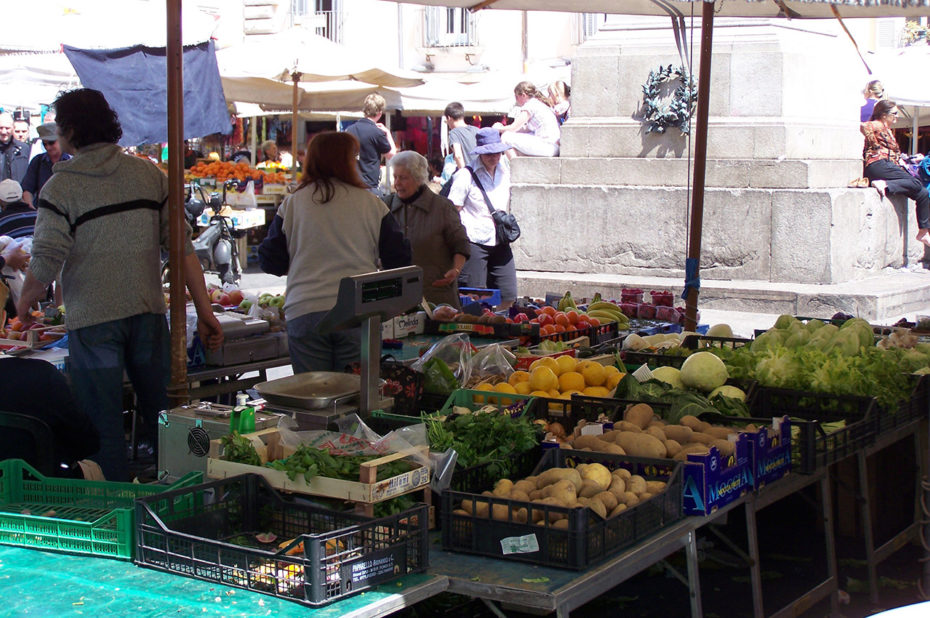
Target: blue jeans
<point>311,351</point>
<point>98,356</point>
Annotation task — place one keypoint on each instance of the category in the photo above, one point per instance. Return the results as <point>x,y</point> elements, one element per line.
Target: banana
<point>567,303</point>
<point>603,305</point>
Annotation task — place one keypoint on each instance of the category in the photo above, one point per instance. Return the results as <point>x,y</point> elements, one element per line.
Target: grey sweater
<point>102,220</point>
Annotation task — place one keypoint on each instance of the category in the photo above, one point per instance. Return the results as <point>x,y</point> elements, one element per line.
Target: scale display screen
<point>374,291</point>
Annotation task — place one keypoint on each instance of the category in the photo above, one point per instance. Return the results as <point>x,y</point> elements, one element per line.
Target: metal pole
<point>178,314</point>
<point>700,161</point>
<point>294,101</point>
<point>253,134</point>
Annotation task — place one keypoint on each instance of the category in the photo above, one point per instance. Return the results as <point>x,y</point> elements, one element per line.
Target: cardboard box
<point>387,330</point>
<point>712,480</point>
<point>409,324</point>
<point>770,452</point>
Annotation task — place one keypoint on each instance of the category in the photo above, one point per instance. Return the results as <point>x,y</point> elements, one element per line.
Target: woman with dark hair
<point>535,131</point>
<point>331,227</point>
<point>882,157</point>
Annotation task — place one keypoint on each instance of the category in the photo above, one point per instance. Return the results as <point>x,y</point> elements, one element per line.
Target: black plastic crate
<point>916,406</point>
<point>595,334</point>
<point>696,342</point>
<point>208,532</point>
<point>651,359</point>
<point>589,538</point>
<point>813,447</point>
<point>569,411</point>
<point>477,478</point>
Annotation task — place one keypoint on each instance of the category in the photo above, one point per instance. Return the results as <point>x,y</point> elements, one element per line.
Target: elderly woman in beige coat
<point>432,225</point>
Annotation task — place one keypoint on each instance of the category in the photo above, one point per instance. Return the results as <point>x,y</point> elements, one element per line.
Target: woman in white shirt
<point>490,263</point>
<point>535,131</point>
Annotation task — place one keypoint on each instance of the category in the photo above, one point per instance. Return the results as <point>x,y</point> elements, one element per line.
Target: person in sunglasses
<point>882,158</point>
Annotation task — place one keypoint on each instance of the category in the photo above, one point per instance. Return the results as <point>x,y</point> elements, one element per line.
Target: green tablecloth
<point>38,583</point>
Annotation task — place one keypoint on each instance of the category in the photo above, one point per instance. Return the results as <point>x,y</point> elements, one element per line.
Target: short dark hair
<point>881,108</point>
<point>454,110</point>
<point>84,117</point>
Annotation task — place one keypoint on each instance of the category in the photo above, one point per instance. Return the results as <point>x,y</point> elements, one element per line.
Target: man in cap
<point>17,219</point>
<point>40,168</point>
<point>14,154</point>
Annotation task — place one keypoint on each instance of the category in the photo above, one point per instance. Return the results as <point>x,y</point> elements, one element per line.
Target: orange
<point>561,318</point>
<point>572,316</point>
<point>548,310</point>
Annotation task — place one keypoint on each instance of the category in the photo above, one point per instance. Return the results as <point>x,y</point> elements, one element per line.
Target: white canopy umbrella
<point>29,80</point>
<point>903,75</point>
<point>298,55</point>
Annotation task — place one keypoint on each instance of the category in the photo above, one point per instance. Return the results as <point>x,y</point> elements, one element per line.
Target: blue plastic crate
<point>491,298</point>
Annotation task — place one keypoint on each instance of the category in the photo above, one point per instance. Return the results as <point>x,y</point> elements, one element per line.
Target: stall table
<point>51,584</point>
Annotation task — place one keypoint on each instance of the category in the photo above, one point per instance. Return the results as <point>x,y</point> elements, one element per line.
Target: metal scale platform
<point>316,399</point>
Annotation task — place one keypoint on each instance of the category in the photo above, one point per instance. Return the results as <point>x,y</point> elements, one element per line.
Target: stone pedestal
<point>783,142</point>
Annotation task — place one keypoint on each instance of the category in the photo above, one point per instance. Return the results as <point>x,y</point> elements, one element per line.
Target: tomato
<point>545,319</point>
<point>520,318</point>
<point>548,310</point>
<point>572,316</point>
<point>561,318</point>
<point>594,321</point>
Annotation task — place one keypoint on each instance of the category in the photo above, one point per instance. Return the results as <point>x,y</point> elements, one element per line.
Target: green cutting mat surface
<point>37,583</point>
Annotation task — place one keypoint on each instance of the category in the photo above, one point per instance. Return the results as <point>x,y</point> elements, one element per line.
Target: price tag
<point>519,544</point>
<point>592,429</point>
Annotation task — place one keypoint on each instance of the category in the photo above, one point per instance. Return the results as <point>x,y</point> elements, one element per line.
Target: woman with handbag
<point>482,197</point>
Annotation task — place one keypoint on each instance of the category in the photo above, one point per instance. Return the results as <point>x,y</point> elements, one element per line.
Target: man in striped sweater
<point>103,219</point>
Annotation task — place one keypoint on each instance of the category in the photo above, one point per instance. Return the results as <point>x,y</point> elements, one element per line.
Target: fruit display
<point>45,328</point>
<point>227,170</point>
<point>559,378</point>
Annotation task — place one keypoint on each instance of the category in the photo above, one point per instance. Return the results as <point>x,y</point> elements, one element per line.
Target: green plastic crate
<point>475,400</point>
<point>82,517</point>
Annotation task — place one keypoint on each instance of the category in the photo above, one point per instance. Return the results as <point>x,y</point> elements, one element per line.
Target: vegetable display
<point>491,438</point>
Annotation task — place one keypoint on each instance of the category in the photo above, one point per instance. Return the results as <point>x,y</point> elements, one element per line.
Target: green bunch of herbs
<point>482,438</point>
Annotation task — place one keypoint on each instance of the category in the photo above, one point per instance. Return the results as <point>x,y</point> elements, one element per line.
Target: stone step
<point>889,294</point>
<point>730,173</point>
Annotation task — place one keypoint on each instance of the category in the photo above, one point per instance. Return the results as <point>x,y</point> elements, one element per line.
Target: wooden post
<point>178,303</point>
<point>294,102</point>
<point>700,161</point>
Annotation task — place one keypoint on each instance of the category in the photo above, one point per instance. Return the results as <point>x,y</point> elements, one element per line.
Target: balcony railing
<point>327,24</point>
<point>449,27</point>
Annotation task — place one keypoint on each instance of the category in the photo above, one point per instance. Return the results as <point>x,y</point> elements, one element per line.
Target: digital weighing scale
<point>315,399</point>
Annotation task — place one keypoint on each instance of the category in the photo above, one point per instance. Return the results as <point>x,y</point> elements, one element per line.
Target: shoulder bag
<point>506,227</point>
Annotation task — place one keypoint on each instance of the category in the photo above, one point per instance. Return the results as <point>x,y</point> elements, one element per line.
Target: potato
<point>589,488</point>
<point>618,509</point>
<point>608,499</point>
<point>679,433</point>
<point>655,487</point>
<point>481,508</point>
<point>520,515</point>
<point>622,473</point>
<point>562,524</point>
<point>500,512</point>
<point>637,484</point>
<point>564,497</point>
<point>671,448</point>
<point>617,486</point>
<point>693,422</point>
<point>536,494</point>
<point>562,486</point>
<point>525,486</point>
<point>595,443</point>
<point>719,432</point>
<point>522,496</point>
<point>751,428</point>
<point>725,447</point>
<point>630,499</point>
<point>596,472</point>
<point>656,432</point>
<point>687,449</point>
<point>468,506</point>
<point>641,445</point>
<point>645,496</point>
<point>553,475</point>
<point>502,488</point>
<point>627,426</point>
<point>597,506</point>
<point>538,514</point>
<point>702,438</point>
<point>640,414</point>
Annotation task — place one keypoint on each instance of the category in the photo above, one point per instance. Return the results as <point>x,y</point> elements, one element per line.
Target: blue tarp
<point>134,81</point>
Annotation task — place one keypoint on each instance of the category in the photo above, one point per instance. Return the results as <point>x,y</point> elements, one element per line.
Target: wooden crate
<point>365,492</point>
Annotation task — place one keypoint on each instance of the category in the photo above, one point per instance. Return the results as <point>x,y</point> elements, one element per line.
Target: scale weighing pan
<point>313,390</point>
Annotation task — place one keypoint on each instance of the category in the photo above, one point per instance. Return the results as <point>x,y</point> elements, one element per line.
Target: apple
<point>224,300</point>
<point>277,301</point>
<point>235,297</point>
<point>216,294</point>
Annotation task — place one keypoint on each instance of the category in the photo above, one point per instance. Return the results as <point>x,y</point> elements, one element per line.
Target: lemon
<point>522,388</point>
<point>543,379</point>
<point>596,391</point>
<point>611,370</point>
<point>518,376</point>
<point>504,387</point>
<point>554,393</point>
<point>613,380</point>
<point>566,363</point>
<point>485,386</point>
<point>594,374</point>
<point>545,361</point>
<point>540,394</point>
<point>571,381</point>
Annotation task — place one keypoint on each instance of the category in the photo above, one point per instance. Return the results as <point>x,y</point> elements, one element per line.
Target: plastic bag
<point>491,363</point>
<point>446,366</point>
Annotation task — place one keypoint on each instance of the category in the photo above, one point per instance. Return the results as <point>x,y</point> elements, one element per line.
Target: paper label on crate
<point>519,544</point>
<point>593,429</point>
<point>370,569</point>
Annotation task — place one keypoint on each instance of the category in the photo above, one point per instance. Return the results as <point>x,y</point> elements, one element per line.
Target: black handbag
<point>506,227</point>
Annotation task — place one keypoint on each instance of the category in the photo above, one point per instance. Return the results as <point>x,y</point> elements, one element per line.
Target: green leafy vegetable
<point>239,450</point>
<point>438,377</point>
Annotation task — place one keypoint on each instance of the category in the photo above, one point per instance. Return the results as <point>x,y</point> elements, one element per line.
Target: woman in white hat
<point>473,191</point>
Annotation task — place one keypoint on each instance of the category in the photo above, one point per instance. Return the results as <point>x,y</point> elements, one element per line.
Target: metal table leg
<point>694,576</point>
<point>755,571</point>
<point>827,502</point>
